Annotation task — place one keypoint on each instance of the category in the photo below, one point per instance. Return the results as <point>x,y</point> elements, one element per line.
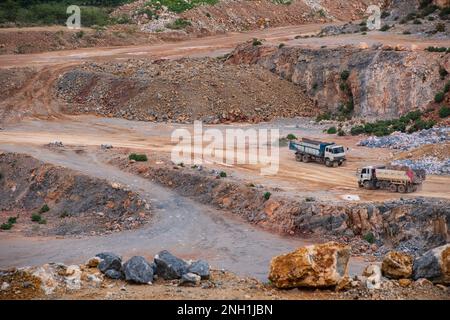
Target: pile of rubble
<point>433,162</point>
<point>404,141</point>
<point>431,165</point>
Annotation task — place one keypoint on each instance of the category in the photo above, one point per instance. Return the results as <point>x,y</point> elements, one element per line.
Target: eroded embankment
<point>377,82</point>
<point>413,224</point>
<point>76,203</point>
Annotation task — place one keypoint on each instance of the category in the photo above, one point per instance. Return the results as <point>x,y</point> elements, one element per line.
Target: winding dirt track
<point>214,46</point>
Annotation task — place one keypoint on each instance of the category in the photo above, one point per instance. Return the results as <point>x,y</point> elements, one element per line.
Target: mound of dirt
<point>180,91</point>
<point>69,203</point>
<point>438,151</point>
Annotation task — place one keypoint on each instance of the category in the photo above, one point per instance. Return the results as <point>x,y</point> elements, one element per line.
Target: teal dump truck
<point>329,153</point>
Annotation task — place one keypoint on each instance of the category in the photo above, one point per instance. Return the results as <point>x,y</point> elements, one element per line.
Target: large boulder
<point>373,276</point>
<point>201,268</point>
<point>434,265</point>
<point>397,265</point>
<point>110,261</point>
<point>323,265</point>
<point>170,267</point>
<point>138,270</point>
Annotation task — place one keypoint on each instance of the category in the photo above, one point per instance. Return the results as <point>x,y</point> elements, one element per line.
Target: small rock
<point>200,268</point>
<point>5,286</point>
<point>138,270</point>
<point>110,261</point>
<point>114,274</point>
<point>373,274</point>
<point>93,262</point>
<point>170,267</point>
<point>190,279</point>
<point>404,282</point>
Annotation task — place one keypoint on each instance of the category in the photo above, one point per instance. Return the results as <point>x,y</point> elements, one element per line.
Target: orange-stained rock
<point>316,266</point>
<point>397,265</point>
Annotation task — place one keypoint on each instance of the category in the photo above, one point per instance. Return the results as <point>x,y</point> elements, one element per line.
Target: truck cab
<point>335,153</point>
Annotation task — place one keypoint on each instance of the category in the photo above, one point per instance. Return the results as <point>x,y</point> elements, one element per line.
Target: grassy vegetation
<point>36,217</point>
<point>64,214</point>
<point>291,136</point>
<point>331,130</point>
<point>410,123</point>
<point>439,97</point>
<point>444,112</point>
<point>44,209</point>
<point>178,24</point>
<point>438,49</point>
<point>369,237</point>
<point>8,225</point>
<point>138,157</point>
<point>52,12</point>
<point>267,195</point>
<point>223,174</point>
<point>385,28</point>
<point>179,6</point>
<point>256,42</point>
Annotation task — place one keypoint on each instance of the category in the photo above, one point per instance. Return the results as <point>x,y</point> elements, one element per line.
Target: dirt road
<point>213,46</point>
<point>293,178</point>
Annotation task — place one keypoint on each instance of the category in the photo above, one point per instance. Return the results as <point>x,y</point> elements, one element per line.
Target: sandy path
<point>214,46</point>
<point>294,178</point>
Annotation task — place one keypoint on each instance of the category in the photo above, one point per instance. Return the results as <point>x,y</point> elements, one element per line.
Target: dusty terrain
<point>131,98</point>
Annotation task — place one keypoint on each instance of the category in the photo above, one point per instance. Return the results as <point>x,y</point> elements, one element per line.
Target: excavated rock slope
<point>383,83</point>
<point>181,91</point>
<point>78,203</point>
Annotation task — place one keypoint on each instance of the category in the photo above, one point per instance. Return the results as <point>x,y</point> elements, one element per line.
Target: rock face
<point>383,84</point>
<point>434,265</point>
<point>170,267</point>
<point>316,266</point>
<point>138,270</point>
<point>110,261</point>
<point>397,265</point>
<point>201,268</point>
<point>373,277</point>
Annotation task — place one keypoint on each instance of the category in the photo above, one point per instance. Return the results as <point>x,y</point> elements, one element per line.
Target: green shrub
<point>178,24</point>
<point>439,97</point>
<point>413,115</point>
<point>79,34</point>
<point>447,87</point>
<point>444,112</point>
<point>138,157</point>
<point>267,195</point>
<point>332,130</point>
<point>42,221</point>
<point>256,42</point>
<point>44,209</point>
<point>341,132</point>
<point>369,237</point>
<point>281,45</point>
<point>310,199</point>
<point>440,27</point>
<point>12,220</point>
<point>442,72</point>
<point>223,174</point>
<point>345,74</point>
<point>323,116</point>
<point>6,226</point>
<point>385,28</point>
<point>35,217</point>
<point>291,136</point>
<point>357,130</point>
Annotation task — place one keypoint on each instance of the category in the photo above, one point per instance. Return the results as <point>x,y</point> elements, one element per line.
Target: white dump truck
<point>392,178</point>
<point>307,150</point>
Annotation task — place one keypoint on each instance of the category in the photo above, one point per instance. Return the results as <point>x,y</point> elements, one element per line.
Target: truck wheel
<point>393,188</point>
<point>298,157</point>
<point>305,158</point>
<point>335,164</point>
<point>367,185</point>
<point>328,163</point>
<point>401,189</point>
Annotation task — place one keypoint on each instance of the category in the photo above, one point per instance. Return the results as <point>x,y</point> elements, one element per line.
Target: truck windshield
<point>338,150</point>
